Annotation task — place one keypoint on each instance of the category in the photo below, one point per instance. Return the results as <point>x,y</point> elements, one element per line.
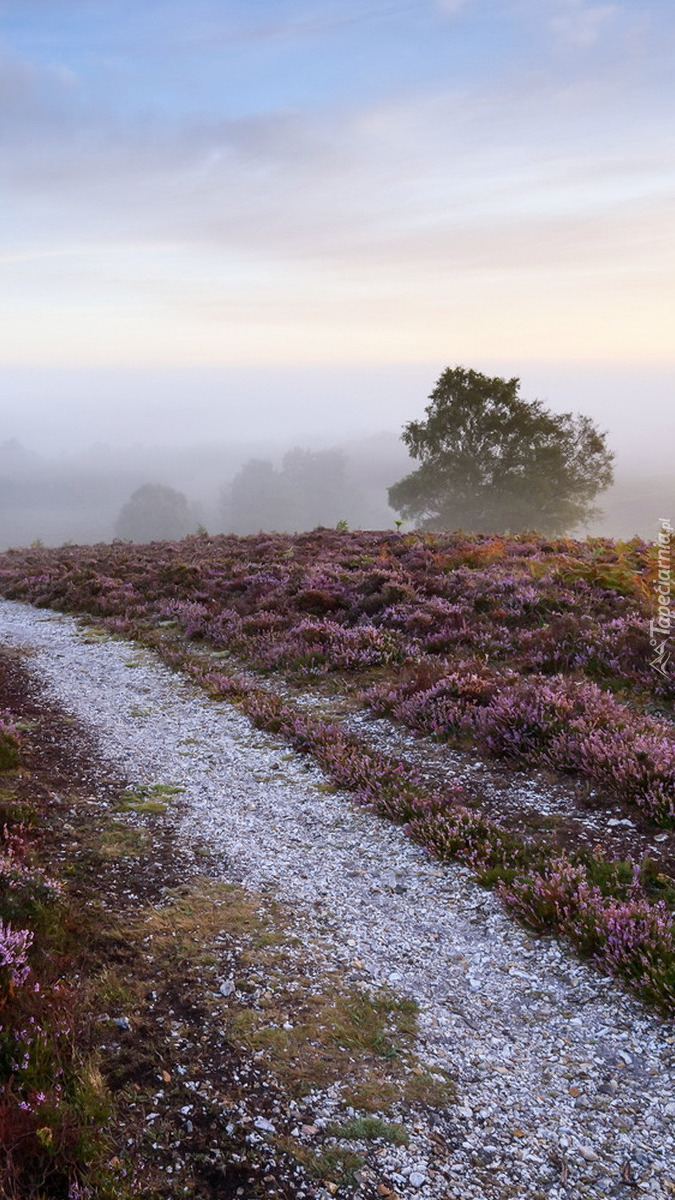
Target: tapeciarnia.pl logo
<point>660,626</point>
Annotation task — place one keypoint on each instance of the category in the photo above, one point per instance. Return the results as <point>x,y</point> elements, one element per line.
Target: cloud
<point>130,210</point>
<point>580,24</point>
<point>25,84</point>
<point>317,187</point>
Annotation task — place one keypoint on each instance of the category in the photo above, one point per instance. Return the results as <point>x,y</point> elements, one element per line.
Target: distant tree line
<point>489,462</point>
<point>155,493</point>
<point>310,488</point>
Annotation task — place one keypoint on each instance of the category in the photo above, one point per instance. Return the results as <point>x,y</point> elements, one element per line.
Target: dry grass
<point>311,1028</point>
<point>122,841</point>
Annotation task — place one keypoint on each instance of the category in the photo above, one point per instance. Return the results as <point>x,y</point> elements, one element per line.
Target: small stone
<point>416,1179</point>
<point>227,987</point>
<point>588,1154</point>
<point>265,1125</point>
<point>123,1023</point>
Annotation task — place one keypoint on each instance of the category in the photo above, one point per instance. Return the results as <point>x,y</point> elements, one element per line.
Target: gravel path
<point>566,1084</point>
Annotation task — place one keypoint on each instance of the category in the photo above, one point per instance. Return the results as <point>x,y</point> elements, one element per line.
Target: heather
<point>607,914</point>
<point>619,914</point>
<point>537,650</point>
<point>50,1102</point>
<point>551,634</point>
<point>627,934</point>
<point>564,724</point>
<point>340,601</point>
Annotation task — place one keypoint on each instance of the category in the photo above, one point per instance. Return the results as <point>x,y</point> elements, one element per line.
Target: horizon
<point>281,223</point>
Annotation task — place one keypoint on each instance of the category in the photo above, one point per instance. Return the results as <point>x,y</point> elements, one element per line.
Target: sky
<point>237,216</point>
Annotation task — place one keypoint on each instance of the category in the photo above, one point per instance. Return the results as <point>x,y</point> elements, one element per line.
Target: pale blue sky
<point>314,184</point>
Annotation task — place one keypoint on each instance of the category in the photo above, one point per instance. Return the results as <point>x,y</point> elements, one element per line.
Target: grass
<point>9,752</point>
<point>338,1033</point>
<point>291,1014</point>
<point>369,1129</point>
<point>335,1165</point>
<point>148,800</point>
<point>119,840</point>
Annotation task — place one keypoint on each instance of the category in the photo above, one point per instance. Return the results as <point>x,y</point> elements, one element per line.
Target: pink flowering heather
<point>549,899</point>
<point>630,936</point>
<point>567,725</point>
<point>573,726</point>
<point>14,947</point>
<point>535,648</point>
<point>18,876</point>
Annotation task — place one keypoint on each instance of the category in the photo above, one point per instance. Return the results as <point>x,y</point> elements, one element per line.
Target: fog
<point>59,410</point>
<point>285,449</point>
<point>80,497</point>
<point>296,215</point>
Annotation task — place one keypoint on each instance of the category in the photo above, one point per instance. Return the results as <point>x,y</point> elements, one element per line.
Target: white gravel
<point>565,1082</point>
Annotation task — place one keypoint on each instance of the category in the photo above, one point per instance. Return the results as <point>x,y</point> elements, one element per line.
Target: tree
<point>316,487</point>
<point>154,513</point>
<point>310,489</point>
<point>255,499</point>
<point>492,462</point>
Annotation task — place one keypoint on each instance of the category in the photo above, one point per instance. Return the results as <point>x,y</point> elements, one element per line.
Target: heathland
<point>533,654</point>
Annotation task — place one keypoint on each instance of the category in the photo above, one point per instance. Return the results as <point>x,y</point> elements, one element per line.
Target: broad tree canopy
<point>154,513</point>
<point>491,462</point>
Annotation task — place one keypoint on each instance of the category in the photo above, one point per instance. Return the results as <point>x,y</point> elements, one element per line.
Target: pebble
<point>265,1125</point>
<point>496,1004</point>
